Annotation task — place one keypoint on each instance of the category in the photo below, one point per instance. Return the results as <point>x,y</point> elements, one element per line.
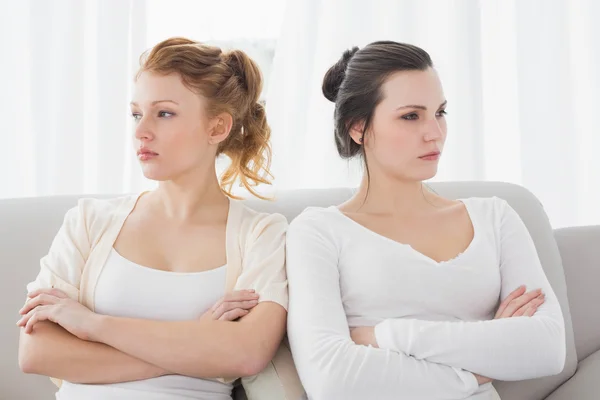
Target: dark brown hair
<point>232,83</point>
<point>354,84</point>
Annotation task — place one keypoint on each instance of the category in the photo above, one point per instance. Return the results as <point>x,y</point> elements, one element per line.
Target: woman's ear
<point>219,128</point>
<point>357,132</point>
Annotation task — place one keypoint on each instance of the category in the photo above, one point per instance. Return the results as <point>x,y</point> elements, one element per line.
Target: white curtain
<point>521,78</point>
<point>68,67</point>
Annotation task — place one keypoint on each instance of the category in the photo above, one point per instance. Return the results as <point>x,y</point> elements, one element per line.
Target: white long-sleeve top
<point>433,321</point>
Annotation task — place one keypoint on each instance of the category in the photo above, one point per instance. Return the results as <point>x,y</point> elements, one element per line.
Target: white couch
<point>570,257</point>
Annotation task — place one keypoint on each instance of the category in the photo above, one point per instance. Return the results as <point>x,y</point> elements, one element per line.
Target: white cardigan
<point>255,247</point>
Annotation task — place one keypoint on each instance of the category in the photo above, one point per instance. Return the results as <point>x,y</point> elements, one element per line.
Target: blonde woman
<point>176,292</point>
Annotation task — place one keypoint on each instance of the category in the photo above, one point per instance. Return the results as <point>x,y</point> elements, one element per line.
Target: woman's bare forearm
<point>202,348</point>
<point>52,351</point>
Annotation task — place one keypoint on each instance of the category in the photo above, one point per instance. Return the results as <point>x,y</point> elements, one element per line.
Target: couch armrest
<point>580,252</point>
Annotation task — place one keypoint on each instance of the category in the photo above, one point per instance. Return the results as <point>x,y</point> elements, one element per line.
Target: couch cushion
<point>584,385</point>
<point>26,231</point>
<point>581,261</point>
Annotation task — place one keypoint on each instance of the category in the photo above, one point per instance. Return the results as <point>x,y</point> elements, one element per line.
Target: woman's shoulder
<point>248,221</point>
<point>93,208</point>
<point>321,220</point>
<point>109,205</point>
<point>486,205</point>
<point>95,214</point>
<point>311,215</point>
<point>489,213</point>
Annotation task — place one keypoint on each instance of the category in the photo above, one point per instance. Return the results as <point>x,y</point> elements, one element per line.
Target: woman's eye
<point>136,116</point>
<point>410,117</point>
<point>441,113</point>
<point>165,114</point>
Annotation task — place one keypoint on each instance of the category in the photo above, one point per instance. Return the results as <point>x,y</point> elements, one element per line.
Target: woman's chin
<point>424,176</point>
<point>155,175</point>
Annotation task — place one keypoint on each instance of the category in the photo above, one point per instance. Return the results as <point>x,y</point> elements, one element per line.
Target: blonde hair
<point>232,83</point>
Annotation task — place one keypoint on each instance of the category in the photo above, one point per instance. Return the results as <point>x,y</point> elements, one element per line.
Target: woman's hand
<point>517,304</point>
<point>364,335</point>
<point>520,304</point>
<point>54,305</point>
<point>233,305</point>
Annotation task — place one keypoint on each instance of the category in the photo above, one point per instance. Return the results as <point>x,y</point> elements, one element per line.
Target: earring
<point>361,139</point>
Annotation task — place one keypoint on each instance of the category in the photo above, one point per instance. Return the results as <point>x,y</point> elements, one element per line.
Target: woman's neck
<point>191,195</point>
<point>390,196</point>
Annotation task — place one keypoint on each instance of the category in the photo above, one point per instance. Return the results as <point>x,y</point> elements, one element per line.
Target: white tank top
<point>126,289</point>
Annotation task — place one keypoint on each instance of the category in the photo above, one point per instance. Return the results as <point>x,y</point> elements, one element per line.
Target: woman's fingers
<point>530,311</point>
<point>38,316</point>
<point>241,295</point>
<point>233,314</point>
<point>25,318</point>
<point>52,291</point>
<point>533,304</point>
<point>515,294</point>
<point>232,305</point>
<point>34,316</point>
<point>236,296</point>
<point>519,302</point>
<point>240,300</point>
<point>39,300</point>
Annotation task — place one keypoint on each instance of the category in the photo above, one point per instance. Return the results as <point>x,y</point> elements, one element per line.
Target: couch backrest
<point>580,253</point>
<point>27,227</point>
